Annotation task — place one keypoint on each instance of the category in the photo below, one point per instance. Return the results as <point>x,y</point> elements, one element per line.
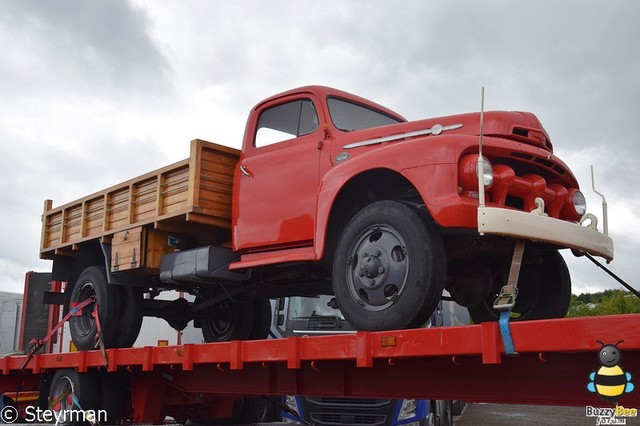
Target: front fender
<point>419,161</point>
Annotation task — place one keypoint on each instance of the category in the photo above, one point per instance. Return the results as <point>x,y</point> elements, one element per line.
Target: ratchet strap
<point>36,344</point>
<point>506,300</point>
<point>505,332</point>
<point>99,335</point>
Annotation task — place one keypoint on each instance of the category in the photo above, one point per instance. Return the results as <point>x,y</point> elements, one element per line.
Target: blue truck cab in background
<point>319,315</point>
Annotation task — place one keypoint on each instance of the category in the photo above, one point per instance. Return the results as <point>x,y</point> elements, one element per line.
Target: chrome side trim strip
<point>435,130</point>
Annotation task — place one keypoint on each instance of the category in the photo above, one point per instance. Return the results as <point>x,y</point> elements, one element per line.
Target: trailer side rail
<point>553,366</point>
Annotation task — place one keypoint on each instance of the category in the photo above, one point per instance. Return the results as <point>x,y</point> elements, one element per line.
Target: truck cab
<point>374,202</point>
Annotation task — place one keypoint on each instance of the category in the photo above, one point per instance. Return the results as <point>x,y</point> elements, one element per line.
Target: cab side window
<point>286,121</point>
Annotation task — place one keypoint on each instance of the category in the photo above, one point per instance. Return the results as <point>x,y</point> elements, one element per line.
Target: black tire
<point>229,320</point>
<point>93,282</point>
<point>258,409</point>
<point>544,292</point>
<point>131,318</point>
<point>113,390</point>
<point>261,319</point>
<point>388,269</point>
<point>69,386</point>
<point>9,413</point>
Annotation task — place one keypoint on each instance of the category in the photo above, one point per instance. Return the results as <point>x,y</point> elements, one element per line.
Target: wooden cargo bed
<point>197,190</point>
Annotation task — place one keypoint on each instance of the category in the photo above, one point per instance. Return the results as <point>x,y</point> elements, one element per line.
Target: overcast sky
<point>97,92</point>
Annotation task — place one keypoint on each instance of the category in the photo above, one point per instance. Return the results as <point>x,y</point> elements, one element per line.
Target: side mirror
<point>280,319</point>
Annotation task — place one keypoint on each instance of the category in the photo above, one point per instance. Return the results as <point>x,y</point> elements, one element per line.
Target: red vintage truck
<point>330,194</point>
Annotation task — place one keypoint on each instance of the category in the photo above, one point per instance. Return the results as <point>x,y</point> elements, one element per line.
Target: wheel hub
<point>371,267</point>
<point>85,320</point>
<point>379,276</point>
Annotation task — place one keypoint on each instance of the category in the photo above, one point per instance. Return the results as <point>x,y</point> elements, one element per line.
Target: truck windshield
<point>310,307</point>
<point>348,116</point>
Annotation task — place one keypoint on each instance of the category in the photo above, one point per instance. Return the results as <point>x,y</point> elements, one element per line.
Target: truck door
<point>278,177</point>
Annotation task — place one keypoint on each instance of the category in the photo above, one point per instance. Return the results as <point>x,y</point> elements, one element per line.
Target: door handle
<point>245,172</point>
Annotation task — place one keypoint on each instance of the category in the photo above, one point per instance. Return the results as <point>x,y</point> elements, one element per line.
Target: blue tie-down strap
<point>505,332</point>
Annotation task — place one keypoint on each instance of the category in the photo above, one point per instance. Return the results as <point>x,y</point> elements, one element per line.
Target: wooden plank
<point>144,199</point>
<point>156,246</point>
<point>105,212</point>
<point>209,220</point>
<point>94,217</point>
<point>216,185</point>
<point>194,172</point>
<point>195,190</point>
<point>72,223</point>
<point>83,223</point>
<point>46,230</point>
<point>126,249</point>
<point>175,191</point>
<point>62,227</point>
<point>53,224</point>
<point>130,204</point>
<point>118,208</point>
<point>161,182</point>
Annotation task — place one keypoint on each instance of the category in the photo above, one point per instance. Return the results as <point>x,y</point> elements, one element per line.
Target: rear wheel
<point>93,283</point>
<point>229,320</point>
<point>544,292</point>
<point>388,270</point>
<point>261,319</point>
<point>131,317</point>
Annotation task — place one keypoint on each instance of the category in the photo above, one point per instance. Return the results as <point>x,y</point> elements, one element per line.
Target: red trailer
<point>553,366</point>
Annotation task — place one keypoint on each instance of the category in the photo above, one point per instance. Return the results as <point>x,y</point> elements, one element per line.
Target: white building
<point>10,316</point>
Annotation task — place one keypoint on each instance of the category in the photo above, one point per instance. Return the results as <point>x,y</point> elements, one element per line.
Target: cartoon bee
<point>610,381</point>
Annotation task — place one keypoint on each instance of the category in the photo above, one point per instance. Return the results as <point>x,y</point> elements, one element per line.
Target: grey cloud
<point>572,63</point>
<point>94,44</point>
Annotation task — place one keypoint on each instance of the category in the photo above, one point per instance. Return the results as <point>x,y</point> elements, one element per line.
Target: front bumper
<point>537,227</point>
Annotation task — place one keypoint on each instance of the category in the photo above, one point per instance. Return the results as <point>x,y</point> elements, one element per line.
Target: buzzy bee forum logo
<point>610,382</point>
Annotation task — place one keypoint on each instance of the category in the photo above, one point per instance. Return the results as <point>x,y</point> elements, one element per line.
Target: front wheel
<point>544,292</point>
<point>388,270</point>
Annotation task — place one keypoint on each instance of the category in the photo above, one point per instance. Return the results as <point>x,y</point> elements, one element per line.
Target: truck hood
<point>518,126</point>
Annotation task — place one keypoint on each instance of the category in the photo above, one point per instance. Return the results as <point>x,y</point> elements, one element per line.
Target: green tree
<point>608,302</point>
<point>620,302</point>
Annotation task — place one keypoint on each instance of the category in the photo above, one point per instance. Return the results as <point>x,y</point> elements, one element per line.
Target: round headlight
<point>579,203</point>
<point>487,172</point>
